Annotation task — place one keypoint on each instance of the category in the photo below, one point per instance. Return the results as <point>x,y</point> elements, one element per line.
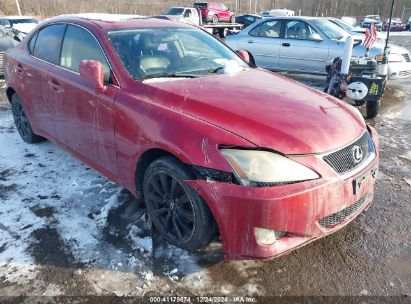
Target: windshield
<point>346,26</point>
<point>200,5</point>
<point>174,52</point>
<point>376,18</point>
<point>174,11</point>
<point>19,21</point>
<point>330,29</point>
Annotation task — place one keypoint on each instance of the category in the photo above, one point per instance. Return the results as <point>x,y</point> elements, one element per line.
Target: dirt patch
<point>6,189</point>
<point>43,211</point>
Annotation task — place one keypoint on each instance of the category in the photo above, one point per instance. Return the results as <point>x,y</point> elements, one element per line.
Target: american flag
<point>370,36</point>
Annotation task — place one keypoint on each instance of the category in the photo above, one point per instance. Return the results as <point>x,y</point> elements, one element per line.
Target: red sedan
<point>213,145</point>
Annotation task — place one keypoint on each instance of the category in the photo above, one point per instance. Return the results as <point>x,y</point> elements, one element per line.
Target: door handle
<point>55,85</point>
<point>286,44</point>
<point>19,69</point>
<point>250,41</point>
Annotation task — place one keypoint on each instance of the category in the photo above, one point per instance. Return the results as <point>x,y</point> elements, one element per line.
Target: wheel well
<point>10,92</point>
<point>145,160</point>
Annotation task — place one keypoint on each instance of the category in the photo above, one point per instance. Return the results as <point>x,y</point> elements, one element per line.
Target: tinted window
<point>270,29</point>
<point>80,45</point>
<point>32,43</point>
<point>48,43</point>
<point>4,22</point>
<point>255,31</point>
<point>298,30</point>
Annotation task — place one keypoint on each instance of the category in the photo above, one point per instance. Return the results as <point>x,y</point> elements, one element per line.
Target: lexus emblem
<point>357,154</point>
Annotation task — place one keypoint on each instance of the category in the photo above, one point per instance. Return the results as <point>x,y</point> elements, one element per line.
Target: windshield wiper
<point>165,75</point>
<point>210,71</point>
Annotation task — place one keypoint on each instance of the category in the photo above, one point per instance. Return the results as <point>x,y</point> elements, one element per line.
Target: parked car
<point>305,45</point>
<point>183,14</point>
<point>7,41</point>
<point>354,31</point>
<point>277,12</point>
<point>21,25</point>
<point>247,19</point>
<point>396,25</point>
<point>366,22</point>
<point>169,112</point>
<point>408,26</point>
<point>399,58</point>
<point>215,12</point>
<point>350,20</point>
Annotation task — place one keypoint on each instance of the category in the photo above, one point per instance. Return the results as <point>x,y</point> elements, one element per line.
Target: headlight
<point>263,168</point>
<point>394,58</point>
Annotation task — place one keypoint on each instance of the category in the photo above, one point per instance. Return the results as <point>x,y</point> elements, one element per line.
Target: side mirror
<point>315,37</point>
<point>93,71</point>
<point>247,57</point>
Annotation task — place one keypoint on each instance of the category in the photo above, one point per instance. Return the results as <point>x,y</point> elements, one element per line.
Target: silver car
<point>295,44</point>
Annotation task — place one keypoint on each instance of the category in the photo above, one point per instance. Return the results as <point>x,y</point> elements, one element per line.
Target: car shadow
<point>166,259</point>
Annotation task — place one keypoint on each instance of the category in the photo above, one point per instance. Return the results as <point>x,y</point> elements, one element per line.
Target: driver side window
<point>298,30</point>
<point>80,45</point>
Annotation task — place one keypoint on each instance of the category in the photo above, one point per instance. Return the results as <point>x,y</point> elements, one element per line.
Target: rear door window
<point>48,43</point>
<point>270,29</point>
<point>32,43</point>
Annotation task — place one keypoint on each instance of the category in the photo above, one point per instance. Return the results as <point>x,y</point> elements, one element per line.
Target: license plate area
<point>359,180</point>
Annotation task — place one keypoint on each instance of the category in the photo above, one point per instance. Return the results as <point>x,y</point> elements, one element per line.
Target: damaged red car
<point>213,145</point>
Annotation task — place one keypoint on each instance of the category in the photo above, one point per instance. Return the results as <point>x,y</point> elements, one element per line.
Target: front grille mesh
<point>406,57</point>
<point>342,160</point>
<point>340,216</point>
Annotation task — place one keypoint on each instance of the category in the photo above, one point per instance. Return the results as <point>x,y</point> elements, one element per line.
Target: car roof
<point>291,18</point>
<point>117,21</point>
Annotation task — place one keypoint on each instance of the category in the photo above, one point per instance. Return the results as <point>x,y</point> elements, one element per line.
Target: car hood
<point>25,27</point>
<point>269,110</point>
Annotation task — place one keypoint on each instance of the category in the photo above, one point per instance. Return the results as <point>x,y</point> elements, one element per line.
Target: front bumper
<point>399,69</point>
<point>295,208</point>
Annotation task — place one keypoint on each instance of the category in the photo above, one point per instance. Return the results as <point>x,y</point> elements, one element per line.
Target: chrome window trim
<point>66,69</point>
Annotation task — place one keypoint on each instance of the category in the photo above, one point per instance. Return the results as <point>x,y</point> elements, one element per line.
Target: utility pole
<point>18,7</point>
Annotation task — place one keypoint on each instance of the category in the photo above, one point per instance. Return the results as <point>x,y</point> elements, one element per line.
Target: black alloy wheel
<point>176,210</point>
<point>22,122</point>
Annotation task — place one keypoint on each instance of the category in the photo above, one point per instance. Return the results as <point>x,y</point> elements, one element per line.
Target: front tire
<point>372,109</point>
<point>232,19</point>
<point>214,20</point>
<point>22,122</point>
<point>176,210</point>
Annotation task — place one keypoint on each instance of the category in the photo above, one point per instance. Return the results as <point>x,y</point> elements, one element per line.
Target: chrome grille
<point>406,57</point>
<point>404,73</point>
<point>1,63</point>
<point>340,216</point>
<point>343,161</point>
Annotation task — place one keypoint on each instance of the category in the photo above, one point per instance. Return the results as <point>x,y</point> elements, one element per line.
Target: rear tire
<point>232,19</point>
<point>223,32</point>
<point>372,109</point>
<point>214,20</point>
<point>178,213</point>
<point>22,122</point>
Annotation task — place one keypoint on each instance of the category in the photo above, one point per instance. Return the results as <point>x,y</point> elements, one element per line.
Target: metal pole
<point>18,7</point>
<point>388,32</point>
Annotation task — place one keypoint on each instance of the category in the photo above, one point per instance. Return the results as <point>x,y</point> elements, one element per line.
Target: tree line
<point>336,8</point>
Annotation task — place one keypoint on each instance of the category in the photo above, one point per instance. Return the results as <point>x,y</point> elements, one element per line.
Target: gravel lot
<point>66,230</point>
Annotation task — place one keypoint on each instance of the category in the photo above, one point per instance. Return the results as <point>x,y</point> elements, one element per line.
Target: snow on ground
<point>65,229</point>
